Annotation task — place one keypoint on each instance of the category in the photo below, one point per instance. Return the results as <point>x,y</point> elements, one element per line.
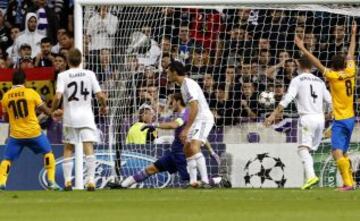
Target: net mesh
<point>243,58</point>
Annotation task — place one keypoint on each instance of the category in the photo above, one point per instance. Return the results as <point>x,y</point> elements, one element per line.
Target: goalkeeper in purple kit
<point>174,161</point>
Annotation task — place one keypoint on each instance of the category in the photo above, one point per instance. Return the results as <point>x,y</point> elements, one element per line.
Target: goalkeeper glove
<point>151,127</point>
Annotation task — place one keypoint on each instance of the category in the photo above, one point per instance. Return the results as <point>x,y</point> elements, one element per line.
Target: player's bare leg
<point>195,160</point>
<point>344,167</point>
<point>90,165</point>
<point>308,163</point>
<point>68,165</point>
<point>140,176</point>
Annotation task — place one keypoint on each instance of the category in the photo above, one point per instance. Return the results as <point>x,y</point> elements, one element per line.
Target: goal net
<point>242,56</point>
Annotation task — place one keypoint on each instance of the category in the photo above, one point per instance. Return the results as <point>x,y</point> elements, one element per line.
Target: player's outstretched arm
<point>101,97</point>
<point>352,47</point>
<point>165,125</point>
<point>316,62</point>
<point>271,119</point>
<point>44,109</point>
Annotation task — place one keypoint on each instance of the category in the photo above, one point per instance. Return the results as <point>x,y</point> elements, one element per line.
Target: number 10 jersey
<point>77,86</point>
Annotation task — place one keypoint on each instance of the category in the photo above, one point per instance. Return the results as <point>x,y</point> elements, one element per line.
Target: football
<point>266,99</point>
<point>264,171</point>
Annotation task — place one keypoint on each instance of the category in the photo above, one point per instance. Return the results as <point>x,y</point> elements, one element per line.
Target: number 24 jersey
<point>77,86</point>
<point>20,104</point>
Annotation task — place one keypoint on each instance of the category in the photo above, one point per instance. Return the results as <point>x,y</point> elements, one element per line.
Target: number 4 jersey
<point>309,93</point>
<point>20,104</point>
<point>77,86</point>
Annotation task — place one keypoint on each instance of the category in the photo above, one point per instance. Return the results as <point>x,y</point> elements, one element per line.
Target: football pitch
<point>179,204</point>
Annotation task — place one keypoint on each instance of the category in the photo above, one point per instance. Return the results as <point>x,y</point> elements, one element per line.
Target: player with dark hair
<point>341,78</point>
<point>174,161</point>
<point>19,107</point>
<point>198,125</point>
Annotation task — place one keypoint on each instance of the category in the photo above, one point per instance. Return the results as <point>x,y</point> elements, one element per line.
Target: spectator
<point>60,63</point>
<point>105,70</point>
<point>288,73</point>
<point>100,31</point>
<point>56,48</point>
<point>44,58</point>
<point>279,67</point>
<point>248,104</point>
<point>24,53</point>
<point>5,40</point>
<point>208,87</point>
<point>222,107</point>
<point>152,56</point>
<point>26,63</point>
<point>232,87</point>
<point>3,63</point>
<point>135,134</point>
<point>205,27</point>
<point>48,22</point>
<point>199,64</point>
<point>16,11</point>
<point>186,44</point>
<point>246,73</point>
<point>62,11</point>
<point>165,45</point>
<point>4,4</point>
<point>30,35</point>
<point>11,50</point>
<point>66,41</point>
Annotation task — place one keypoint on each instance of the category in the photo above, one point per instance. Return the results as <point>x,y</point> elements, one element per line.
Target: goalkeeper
<point>175,161</point>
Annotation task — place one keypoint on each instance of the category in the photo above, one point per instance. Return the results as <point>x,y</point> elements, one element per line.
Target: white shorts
<point>78,135</point>
<point>200,130</point>
<point>310,130</point>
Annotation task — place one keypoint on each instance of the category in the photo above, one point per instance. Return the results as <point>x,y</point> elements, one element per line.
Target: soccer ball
<point>264,171</point>
<point>266,99</point>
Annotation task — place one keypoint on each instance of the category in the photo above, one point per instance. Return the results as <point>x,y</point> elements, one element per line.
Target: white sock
<point>308,162</point>
<point>90,168</point>
<point>201,165</point>
<point>128,182</point>
<point>191,168</point>
<point>67,169</point>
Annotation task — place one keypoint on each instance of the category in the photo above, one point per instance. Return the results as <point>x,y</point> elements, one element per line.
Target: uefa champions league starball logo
<point>131,163</point>
<point>264,171</point>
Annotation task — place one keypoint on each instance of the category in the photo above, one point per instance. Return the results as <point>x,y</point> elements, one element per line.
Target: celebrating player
<point>309,92</point>
<point>19,107</point>
<point>77,85</point>
<point>198,125</point>
<point>174,161</point>
<point>341,77</point>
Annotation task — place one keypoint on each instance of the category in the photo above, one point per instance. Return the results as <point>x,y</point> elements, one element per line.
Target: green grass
<point>184,205</point>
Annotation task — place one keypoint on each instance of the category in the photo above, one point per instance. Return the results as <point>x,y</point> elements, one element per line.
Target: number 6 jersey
<point>309,93</point>
<point>77,86</point>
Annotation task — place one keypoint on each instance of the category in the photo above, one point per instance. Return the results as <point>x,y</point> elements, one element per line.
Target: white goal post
<point>300,5</point>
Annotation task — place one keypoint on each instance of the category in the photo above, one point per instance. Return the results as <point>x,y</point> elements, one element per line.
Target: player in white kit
<point>198,126</point>
<point>309,93</point>
<point>76,87</point>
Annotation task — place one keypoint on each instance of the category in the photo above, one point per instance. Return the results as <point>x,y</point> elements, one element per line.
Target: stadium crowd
<point>234,54</point>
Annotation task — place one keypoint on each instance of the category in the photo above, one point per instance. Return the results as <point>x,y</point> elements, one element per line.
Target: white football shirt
<point>191,91</point>
<point>309,93</point>
<point>77,86</point>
